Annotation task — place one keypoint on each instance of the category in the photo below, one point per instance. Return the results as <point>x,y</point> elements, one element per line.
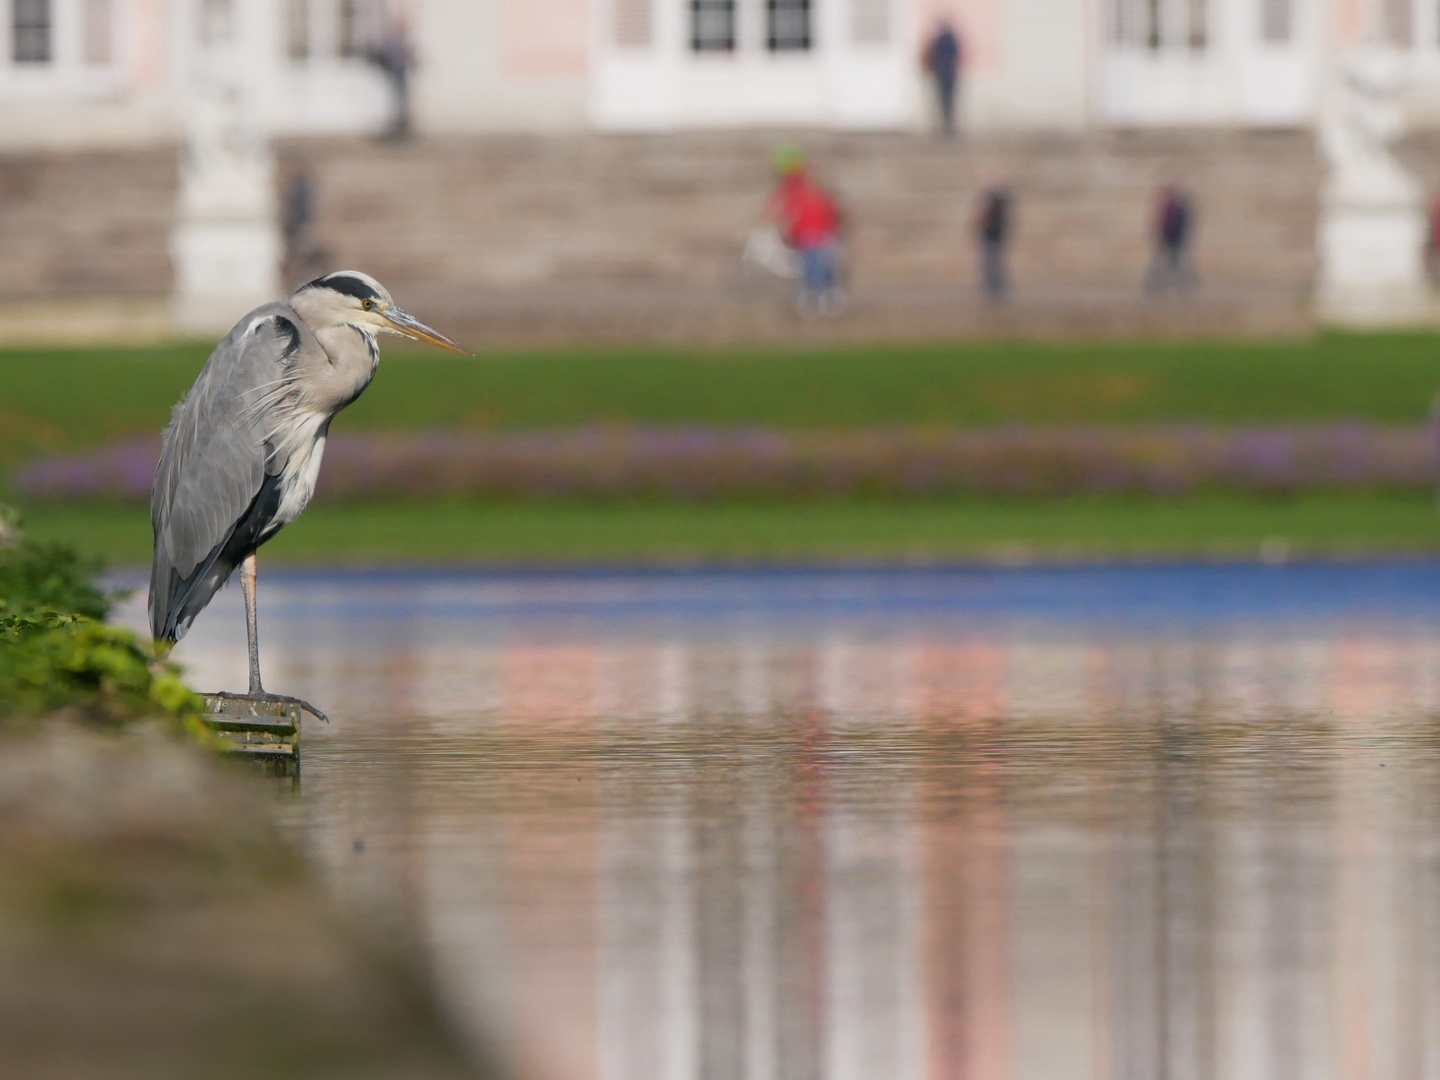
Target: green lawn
<point>57,399</point>
<point>54,399</point>
<point>568,532</point>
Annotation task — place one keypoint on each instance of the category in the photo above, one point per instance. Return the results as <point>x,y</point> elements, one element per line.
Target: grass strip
<point>53,400</point>
<point>561,532</point>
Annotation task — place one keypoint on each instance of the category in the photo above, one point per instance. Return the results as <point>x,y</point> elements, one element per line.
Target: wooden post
<point>265,732</point>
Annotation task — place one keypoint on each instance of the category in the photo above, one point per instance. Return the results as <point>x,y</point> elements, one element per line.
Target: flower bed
<point>716,463</point>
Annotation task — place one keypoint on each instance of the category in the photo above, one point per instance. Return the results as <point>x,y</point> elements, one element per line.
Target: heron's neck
<point>353,355</point>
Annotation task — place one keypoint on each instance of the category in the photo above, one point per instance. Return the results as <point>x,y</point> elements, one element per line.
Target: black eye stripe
<point>347,284</point>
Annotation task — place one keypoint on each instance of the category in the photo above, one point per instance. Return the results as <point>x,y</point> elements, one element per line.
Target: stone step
<point>519,212</point>
<point>87,224</point>
<point>513,226</point>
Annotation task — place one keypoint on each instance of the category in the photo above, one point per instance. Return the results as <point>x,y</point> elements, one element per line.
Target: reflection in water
<point>1129,824</point>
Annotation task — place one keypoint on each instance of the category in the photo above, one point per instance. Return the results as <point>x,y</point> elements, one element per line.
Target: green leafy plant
<point>57,653</point>
<point>52,577</point>
<point>51,661</point>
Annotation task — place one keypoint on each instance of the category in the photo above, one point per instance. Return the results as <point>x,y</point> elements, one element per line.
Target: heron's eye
<point>369,304</point>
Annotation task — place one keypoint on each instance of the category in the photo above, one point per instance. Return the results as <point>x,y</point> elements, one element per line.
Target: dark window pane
<point>30,31</point>
<point>712,25</point>
<point>787,24</point>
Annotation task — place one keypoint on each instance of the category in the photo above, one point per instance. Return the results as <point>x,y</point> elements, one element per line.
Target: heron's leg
<point>252,636</point>
<point>252,639</point>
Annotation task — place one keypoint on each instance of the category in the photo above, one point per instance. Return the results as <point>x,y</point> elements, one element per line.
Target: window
<point>99,30</point>
<point>360,27</point>
<point>1277,21</point>
<point>215,21</point>
<point>1395,17</point>
<point>297,29</point>
<point>30,29</point>
<point>870,22</point>
<point>712,25</point>
<point>787,25</point>
<point>1165,24</point>
<point>632,23</point>
<point>1196,31</point>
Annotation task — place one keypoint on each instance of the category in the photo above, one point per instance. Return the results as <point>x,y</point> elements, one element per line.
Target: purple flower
<point>696,463</point>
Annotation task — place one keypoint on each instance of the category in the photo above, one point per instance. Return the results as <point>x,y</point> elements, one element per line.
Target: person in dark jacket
<point>944,55</point>
<point>395,58</point>
<point>1172,227</point>
<point>992,230</point>
<point>304,257</point>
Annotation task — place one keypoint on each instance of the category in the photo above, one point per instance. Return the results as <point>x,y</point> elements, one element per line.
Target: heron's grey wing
<point>214,463</point>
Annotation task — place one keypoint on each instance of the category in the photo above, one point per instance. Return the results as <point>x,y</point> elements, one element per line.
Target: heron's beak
<point>412,327</point>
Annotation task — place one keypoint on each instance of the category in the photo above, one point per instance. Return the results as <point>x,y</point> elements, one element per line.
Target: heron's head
<point>350,298</point>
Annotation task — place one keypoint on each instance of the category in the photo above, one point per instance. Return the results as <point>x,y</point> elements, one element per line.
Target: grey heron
<point>241,455</point>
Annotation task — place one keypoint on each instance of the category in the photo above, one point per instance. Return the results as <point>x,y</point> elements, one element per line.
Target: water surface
<point>976,824</point>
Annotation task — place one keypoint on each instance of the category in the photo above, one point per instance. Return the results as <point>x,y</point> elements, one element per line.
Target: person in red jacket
<point>811,223</point>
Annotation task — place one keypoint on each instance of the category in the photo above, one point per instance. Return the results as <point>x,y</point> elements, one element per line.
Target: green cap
<point>787,158</point>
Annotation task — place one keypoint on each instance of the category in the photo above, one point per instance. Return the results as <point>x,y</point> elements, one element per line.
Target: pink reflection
<point>841,856</point>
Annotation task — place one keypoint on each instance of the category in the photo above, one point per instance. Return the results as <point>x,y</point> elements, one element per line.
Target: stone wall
<point>633,236</point>
<point>93,224</point>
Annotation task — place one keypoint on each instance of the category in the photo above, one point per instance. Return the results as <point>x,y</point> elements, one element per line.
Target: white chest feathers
<point>303,447</point>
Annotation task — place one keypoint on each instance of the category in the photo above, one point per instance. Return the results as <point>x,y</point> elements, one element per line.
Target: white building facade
<point>110,72</point>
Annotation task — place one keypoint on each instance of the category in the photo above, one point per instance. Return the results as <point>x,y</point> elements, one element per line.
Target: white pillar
<point>1372,218</point>
<point>226,245</point>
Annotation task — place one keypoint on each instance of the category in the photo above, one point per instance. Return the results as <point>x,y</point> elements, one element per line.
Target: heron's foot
<point>275,699</point>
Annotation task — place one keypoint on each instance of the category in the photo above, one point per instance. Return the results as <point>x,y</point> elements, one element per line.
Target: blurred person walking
<point>394,56</point>
<point>992,230</point>
<point>304,258</point>
<point>810,222</point>
<point>942,60</point>
<point>1432,243</point>
<point>1173,218</point>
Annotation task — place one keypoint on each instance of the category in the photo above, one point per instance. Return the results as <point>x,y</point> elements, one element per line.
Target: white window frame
<point>752,21</point>
<point>66,74</point>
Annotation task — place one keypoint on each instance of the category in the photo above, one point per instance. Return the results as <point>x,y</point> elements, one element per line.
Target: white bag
<point>766,250</point>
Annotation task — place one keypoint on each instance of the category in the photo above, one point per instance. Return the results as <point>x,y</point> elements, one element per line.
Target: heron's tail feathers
<point>162,648</point>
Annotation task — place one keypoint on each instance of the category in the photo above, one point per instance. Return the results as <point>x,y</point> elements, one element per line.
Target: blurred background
<point>1037,212</point>
<point>930,572</point>
<point>568,170</point>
